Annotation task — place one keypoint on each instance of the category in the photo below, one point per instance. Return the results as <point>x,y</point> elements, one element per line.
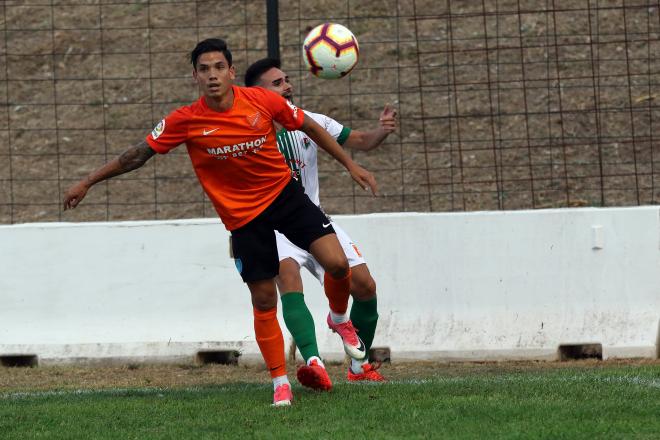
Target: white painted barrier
<point>481,285</point>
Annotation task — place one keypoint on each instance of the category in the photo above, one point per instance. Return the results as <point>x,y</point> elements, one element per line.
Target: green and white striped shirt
<point>300,152</point>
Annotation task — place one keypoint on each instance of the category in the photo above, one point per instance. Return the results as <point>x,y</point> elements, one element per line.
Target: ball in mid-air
<point>330,51</point>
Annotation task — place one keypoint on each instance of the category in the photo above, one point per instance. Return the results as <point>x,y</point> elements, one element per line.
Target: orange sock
<point>338,292</point>
<point>270,340</point>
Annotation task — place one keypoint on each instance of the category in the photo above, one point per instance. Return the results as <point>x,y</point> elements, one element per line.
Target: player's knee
<point>338,267</point>
<point>264,303</point>
<point>289,282</point>
<point>363,289</point>
<point>264,296</point>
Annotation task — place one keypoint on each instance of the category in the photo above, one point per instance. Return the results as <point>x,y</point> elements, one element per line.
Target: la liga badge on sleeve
<point>158,129</point>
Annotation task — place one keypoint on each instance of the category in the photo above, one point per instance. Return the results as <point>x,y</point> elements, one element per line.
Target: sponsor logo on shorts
<point>239,265</point>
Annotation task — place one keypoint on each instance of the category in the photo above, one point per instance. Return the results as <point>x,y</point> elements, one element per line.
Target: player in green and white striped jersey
<point>300,152</point>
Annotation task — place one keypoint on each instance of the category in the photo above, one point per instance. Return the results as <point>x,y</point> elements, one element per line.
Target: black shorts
<point>293,214</point>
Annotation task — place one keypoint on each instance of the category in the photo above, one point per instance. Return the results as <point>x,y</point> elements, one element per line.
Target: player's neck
<point>277,125</point>
<point>221,103</point>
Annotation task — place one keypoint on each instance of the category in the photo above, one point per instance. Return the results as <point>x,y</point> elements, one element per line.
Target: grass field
<point>583,400</point>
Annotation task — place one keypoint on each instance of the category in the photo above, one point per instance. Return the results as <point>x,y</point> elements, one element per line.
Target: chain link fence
<point>503,104</point>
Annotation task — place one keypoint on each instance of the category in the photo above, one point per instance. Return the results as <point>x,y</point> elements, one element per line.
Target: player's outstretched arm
<point>367,140</point>
<point>129,160</point>
<point>323,139</point>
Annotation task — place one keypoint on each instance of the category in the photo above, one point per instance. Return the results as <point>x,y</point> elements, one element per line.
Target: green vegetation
<point>608,402</point>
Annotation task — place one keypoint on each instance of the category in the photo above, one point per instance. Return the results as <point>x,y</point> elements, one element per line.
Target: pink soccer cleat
<point>353,345</point>
<point>283,395</point>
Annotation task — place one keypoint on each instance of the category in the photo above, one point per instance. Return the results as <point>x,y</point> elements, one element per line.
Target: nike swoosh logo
<point>326,225</point>
<point>206,133</point>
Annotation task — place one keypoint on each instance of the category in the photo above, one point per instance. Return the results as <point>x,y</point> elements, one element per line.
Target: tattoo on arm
<point>129,160</point>
<point>135,156</point>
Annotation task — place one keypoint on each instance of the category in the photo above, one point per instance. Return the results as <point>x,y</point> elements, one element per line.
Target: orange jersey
<point>234,153</point>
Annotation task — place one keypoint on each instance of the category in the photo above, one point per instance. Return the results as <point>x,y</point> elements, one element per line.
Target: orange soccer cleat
<point>369,374</point>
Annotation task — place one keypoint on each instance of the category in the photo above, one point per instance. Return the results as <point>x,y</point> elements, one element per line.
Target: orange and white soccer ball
<point>330,51</point>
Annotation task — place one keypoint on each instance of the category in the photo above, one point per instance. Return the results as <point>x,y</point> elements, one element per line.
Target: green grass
<point>608,402</point>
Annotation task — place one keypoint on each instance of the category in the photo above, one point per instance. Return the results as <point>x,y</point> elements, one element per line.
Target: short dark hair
<point>210,45</point>
<point>258,68</point>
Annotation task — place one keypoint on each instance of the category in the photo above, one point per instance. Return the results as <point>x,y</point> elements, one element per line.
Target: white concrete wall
<point>482,285</point>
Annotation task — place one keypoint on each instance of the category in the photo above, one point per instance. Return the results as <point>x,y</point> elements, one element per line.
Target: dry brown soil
<point>177,376</point>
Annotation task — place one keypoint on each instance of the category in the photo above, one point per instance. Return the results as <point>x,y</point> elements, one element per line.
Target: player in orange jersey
<point>231,142</point>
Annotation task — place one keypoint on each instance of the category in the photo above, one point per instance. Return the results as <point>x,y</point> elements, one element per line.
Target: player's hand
<point>75,194</point>
<point>364,178</point>
<point>388,118</point>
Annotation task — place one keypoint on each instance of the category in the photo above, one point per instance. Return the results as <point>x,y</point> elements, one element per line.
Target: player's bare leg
<point>328,252</point>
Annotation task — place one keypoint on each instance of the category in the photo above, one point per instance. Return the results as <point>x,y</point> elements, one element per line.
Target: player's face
<point>213,74</point>
<point>277,81</point>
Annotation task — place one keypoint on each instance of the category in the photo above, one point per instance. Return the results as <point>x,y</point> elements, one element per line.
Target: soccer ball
<point>330,51</point>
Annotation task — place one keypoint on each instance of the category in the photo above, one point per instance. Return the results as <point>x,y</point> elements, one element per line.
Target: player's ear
<point>232,72</point>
